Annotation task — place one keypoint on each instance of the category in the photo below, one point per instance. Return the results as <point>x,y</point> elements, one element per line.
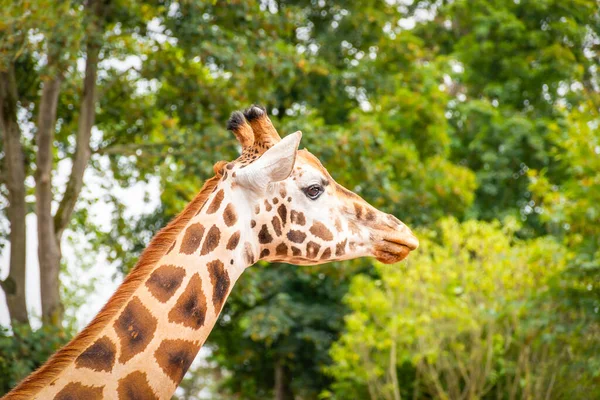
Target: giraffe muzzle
<point>395,246</point>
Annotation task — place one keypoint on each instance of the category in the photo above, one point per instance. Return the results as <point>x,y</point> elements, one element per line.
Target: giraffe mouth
<point>392,250</point>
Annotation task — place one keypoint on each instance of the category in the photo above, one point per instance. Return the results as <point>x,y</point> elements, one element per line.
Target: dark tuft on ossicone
<point>235,121</point>
<point>254,112</point>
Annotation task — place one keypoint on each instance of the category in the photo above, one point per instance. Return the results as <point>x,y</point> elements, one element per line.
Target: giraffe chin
<point>389,252</point>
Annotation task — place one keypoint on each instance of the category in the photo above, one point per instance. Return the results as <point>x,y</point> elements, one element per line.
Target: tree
<point>41,43</point>
<point>274,335</point>
<point>514,65</point>
<point>484,330</point>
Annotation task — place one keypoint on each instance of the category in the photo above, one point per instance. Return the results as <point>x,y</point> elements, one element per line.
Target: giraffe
<point>274,203</point>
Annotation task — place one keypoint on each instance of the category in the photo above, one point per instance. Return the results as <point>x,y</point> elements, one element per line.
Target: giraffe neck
<point>146,347</point>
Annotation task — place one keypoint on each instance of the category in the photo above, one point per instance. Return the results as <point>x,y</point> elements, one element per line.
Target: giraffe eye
<point>313,191</point>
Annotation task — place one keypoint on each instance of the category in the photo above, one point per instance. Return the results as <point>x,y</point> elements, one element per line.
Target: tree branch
<point>87,116</point>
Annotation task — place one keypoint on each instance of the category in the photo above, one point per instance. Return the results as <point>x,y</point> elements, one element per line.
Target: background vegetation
<point>474,121</point>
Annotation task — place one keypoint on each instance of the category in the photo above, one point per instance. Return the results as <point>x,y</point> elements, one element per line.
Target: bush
<point>470,315</point>
<point>23,350</point>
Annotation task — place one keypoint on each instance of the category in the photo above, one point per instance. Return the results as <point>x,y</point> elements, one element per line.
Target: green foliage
<point>513,64</point>
<point>483,330</point>
<point>23,350</point>
<point>279,315</point>
<point>571,203</point>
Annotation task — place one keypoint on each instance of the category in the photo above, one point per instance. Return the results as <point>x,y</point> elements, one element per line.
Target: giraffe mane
<point>157,248</point>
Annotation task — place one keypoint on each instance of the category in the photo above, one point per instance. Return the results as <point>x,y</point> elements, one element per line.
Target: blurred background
<point>475,122</point>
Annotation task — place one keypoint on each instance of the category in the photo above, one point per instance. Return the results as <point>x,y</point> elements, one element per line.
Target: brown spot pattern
<point>282,211</point>
<point>281,249</point>
<point>321,231</point>
<point>174,357</point>
<point>212,240</point>
<point>252,223</point>
<point>192,238</point>
<point>248,254</point>
<point>340,248</point>
<point>268,206</point>
<point>282,192</point>
<point>135,328</point>
<point>354,228</point>
<point>264,236</point>
<point>264,253</point>
<point>296,236</point>
<point>229,215</point>
<point>312,249</point>
<point>164,282</point>
<point>276,225</point>
<point>296,251</point>
<point>220,282</point>
<point>338,225</point>
<point>275,200</point>
<point>78,391</point>
<point>135,386</point>
<point>326,254</point>
<point>297,217</point>
<point>216,203</point>
<point>190,309</point>
<point>233,241</point>
<point>358,210</point>
<point>370,215</point>
<point>100,356</point>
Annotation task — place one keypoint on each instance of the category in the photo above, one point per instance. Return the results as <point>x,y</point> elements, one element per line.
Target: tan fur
<point>158,247</point>
<point>310,159</point>
<point>264,131</point>
<point>244,135</point>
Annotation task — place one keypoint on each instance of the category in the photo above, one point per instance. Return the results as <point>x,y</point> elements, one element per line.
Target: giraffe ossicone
<point>275,203</point>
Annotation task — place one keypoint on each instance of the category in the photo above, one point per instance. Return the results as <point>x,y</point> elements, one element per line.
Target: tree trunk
<point>48,242</point>
<point>14,169</point>
<point>283,380</point>
<point>53,227</point>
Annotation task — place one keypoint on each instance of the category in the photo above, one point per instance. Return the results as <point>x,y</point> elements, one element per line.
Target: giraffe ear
<point>274,165</point>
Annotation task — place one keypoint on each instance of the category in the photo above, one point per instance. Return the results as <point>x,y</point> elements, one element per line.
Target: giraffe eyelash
<point>313,191</point>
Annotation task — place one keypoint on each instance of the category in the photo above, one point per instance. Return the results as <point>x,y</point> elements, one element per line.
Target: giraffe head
<point>292,208</point>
